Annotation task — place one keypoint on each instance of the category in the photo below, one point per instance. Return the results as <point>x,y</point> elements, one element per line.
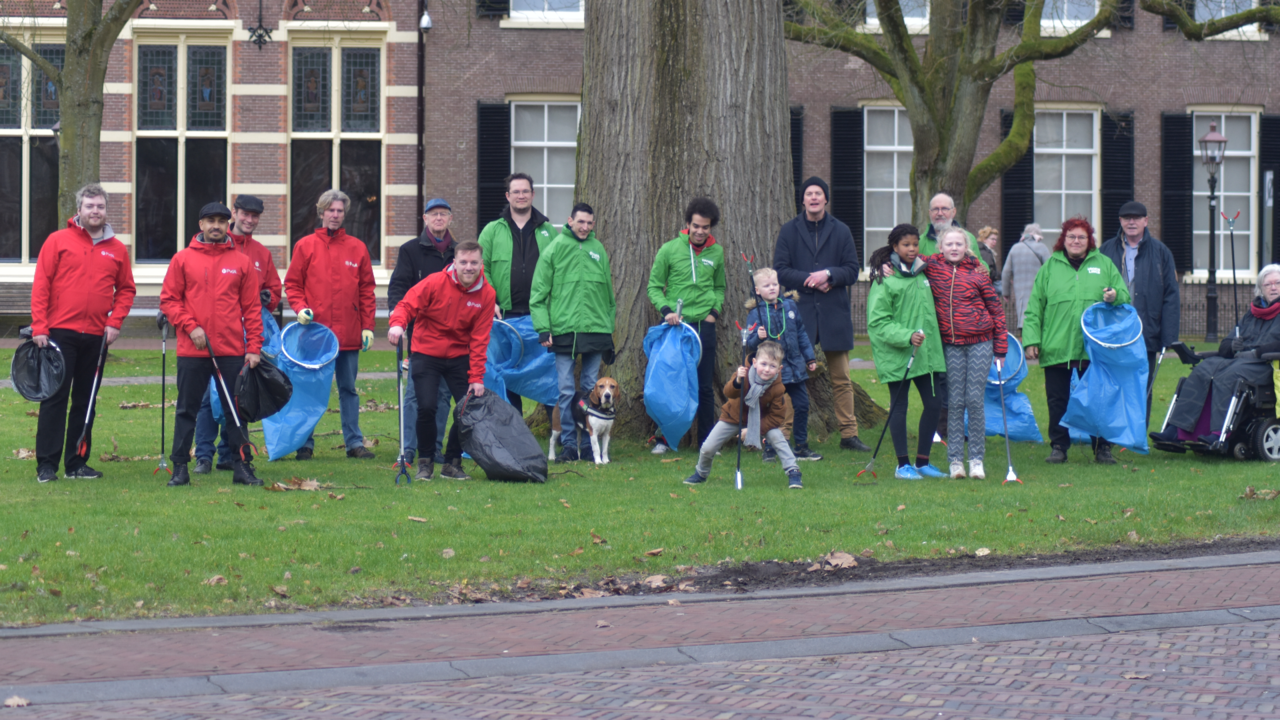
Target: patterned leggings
<point>967,367</point>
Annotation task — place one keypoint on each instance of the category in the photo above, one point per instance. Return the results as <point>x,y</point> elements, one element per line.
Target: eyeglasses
<point>1077,237</point>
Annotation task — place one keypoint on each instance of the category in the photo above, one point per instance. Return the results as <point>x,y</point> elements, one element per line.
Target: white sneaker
<point>660,448</point>
<point>975,470</point>
<point>957,470</point>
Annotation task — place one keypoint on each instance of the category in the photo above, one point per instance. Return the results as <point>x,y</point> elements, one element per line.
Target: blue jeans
<point>207,431</point>
<point>799,393</point>
<point>410,414</point>
<point>345,368</point>
<point>564,379</point>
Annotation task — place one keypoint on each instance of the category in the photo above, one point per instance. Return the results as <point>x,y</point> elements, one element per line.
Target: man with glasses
<point>942,215</point>
<point>1146,264</point>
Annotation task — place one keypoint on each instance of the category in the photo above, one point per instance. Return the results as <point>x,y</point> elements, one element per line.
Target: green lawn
<point>127,546</point>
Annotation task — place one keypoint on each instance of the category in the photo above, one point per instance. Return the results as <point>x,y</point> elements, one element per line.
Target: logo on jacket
<point>594,256</point>
<point>351,264</point>
<point>708,263</point>
<point>1095,271</point>
<point>791,314</point>
<point>474,304</point>
<point>229,271</point>
<point>107,254</point>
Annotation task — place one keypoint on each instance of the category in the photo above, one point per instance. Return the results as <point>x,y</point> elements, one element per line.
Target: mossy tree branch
<point>1193,30</point>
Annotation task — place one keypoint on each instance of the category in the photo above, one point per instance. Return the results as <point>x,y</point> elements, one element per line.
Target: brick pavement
<point>28,661</point>
<point>1228,672</point>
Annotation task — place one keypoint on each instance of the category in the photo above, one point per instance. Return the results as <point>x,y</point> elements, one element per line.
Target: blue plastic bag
<point>1022,421</point>
<point>1110,399</point>
<point>305,353</point>
<point>518,363</point>
<point>671,378</point>
<point>269,331</point>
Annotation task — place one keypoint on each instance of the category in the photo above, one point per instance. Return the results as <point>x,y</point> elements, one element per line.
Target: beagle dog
<point>592,414</point>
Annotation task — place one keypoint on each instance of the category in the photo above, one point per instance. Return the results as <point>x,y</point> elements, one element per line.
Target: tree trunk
<point>682,98</point>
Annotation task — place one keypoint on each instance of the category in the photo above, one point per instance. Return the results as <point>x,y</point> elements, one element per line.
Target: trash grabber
<point>1235,297</point>
<point>402,463</point>
<point>1004,418</point>
<point>742,414</point>
<point>163,322</point>
<point>82,445</point>
<point>871,466</point>
<point>751,278</point>
<point>231,405</point>
<point>1152,383</point>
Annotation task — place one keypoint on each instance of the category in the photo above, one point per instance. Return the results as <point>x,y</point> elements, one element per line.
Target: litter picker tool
<point>742,414</point>
<point>871,466</point>
<point>1152,383</point>
<point>1004,418</point>
<point>231,405</point>
<point>403,462</point>
<point>1235,297</point>
<point>163,322</point>
<point>82,445</point>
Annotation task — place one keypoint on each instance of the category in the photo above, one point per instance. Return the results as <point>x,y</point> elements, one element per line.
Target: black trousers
<point>80,353</point>
<point>707,410</point>
<point>427,372</point>
<point>193,379</point>
<point>931,398</point>
<point>1057,391</point>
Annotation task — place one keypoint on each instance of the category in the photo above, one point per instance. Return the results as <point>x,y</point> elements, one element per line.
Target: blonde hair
<point>329,197</point>
<point>987,232</point>
<point>953,230</point>
<point>771,350</point>
<point>765,273</point>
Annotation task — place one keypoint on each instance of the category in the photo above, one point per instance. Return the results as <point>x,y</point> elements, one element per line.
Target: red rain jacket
<point>449,320</point>
<point>213,287</point>
<point>331,273</point>
<point>969,311</point>
<point>79,283</point>
<point>262,262</point>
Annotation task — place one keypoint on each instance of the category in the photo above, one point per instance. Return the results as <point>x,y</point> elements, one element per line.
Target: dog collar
<point>596,413</point>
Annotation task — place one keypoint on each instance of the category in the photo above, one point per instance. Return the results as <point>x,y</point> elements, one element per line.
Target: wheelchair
<point>1250,430</point>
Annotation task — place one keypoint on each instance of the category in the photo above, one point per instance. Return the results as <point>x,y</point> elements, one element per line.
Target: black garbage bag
<point>493,433</point>
<point>261,391</point>
<point>37,372</point>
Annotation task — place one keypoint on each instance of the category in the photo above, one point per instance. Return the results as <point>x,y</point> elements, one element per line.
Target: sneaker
<point>1057,456</point>
<point>223,465</point>
<point>793,480</point>
<point>204,466</point>
<point>180,476</point>
<point>695,479</point>
<point>853,443</point>
<point>907,472</point>
<point>1169,434</point>
<point>46,474</point>
<point>243,474</point>
<point>426,469</point>
<point>84,472</point>
<point>957,470</point>
<point>660,448</point>
<point>304,453</point>
<point>976,471</point>
<point>453,471</point>
<point>360,453</point>
<point>769,454</point>
<point>930,471</point>
<point>805,453</point>
<point>1102,456</point>
<point>567,454</point>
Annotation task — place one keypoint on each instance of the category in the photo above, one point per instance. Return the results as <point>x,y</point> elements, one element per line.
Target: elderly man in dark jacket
<point>816,256</point>
<point>1146,264</point>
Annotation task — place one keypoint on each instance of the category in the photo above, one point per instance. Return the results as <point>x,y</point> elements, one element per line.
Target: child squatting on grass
<point>778,319</point>
<point>766,412</point>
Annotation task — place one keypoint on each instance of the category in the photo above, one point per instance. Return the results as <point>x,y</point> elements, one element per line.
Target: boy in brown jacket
<point>764,395</point>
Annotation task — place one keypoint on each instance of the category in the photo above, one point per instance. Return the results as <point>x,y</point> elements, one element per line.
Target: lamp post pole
<point>1211,288</point>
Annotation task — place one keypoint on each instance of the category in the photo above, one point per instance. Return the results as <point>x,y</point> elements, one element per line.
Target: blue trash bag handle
<point>1085,328</point>
<point>284,348</point>
<point>519,338</point>
<point>696,337</point>
<point>1009,371</point>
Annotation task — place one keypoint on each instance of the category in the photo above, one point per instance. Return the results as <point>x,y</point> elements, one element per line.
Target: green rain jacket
<point>572,295</point>
<point>897,306</point>
<point>495,247</point>
<point>1058,301</point>
<point>681,274</point>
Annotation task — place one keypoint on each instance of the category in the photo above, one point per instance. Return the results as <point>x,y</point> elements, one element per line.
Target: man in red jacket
<point>452,314</point>
<point>210,296</point>
<point>83,290</point>
<point>330,281</point>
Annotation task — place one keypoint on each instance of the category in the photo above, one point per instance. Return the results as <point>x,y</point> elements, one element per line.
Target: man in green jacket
<point>511,246</point>
<point>573,311</point>
<point>691,268</point>
<point>942,215</point>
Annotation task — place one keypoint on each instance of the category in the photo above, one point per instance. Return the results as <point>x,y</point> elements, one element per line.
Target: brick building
<point>195,110</point>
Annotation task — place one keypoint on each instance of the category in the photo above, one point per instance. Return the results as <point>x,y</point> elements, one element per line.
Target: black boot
<point>180,475</point>
<point>242,474</point>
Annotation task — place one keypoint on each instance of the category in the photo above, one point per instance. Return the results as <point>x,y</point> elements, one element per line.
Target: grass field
<point>127,546</point>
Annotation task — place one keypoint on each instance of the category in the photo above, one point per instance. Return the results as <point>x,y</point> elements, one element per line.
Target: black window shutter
<point>1013,16</point>
<point>1117,170</point>
<point>1269,159</point>
<point>1017,191</point>
<point>1124,15</point>
<point>797,152</point>
<point>846,171</point>
<point>493,160</point>
<point>1189,6</point>
<point>492,8</point>
<point>1176,170</point>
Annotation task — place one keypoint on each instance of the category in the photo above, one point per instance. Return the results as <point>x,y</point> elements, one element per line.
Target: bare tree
<point>944,80</point>
<point>90,37</point>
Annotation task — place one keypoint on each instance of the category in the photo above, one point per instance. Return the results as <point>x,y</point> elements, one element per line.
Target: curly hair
<point>1075,223</point>
<point>882,253</point>
<point>704,206</point>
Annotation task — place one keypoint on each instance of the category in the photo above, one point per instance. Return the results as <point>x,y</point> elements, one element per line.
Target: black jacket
<point>827,316</point>
<point>524,257</point>
<point>1154,290</point>
<point>417,259</point>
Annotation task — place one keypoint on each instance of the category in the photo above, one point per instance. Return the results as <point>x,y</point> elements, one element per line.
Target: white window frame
<point>1200,195</point>
<point>898,150</point>
<point>1060,27</point>
<point>1095,204</point>
<point>1246,33</point>
<point>540,188</point>
<point>915,25</point>
<point>31,35</point>
<point>544,19</point>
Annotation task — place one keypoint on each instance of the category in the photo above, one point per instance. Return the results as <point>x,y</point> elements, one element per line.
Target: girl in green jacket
<point>900,317</point>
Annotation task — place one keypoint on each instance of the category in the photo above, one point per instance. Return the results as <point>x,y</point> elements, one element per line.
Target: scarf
<point>1263,311</point>
<point>755,391</point>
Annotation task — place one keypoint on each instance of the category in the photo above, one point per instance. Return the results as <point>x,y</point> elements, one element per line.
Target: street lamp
<point>1212,147</point>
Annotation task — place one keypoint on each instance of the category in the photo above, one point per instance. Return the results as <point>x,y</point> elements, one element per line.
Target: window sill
<point>1062,29</point>
<point>1250,33</point>
<point>1201,277</point>
<point>512,24</point>
<point>915,26</point>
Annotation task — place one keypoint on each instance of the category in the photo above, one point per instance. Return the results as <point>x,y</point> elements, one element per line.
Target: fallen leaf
<point>1135,676</point>
<point>888,544</point>
<point>673,601</point>
<point>1091,521</point>
<point>674,495</point>
<point>564,502</point>
<point>1128,512</point>
<point>288,575</point>
<point>654,552</point>
<point>591,593</point>
<point>15,701</point>
<point>867,553</point>
<point>215,580</point>
<point>1065,485</point>
<point>1133,535</point>
<point>354,571</point>
<point>24,454</point>
<point>573,553</point>
<point>596,538</point>
<point>902,507</point>
<point>982,552</point>
<point>668,460</point>
<point>447,553</point>
<point>836,560</point>
<point>281,590</point>
<point>139,604</point>
<point>602,624</point>
<point>656,581</point>
<point>55,592</point>
<point>417,519</point>
<point>33,413</point>
<point>1062,518</point>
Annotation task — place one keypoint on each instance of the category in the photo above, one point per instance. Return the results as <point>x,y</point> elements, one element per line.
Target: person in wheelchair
<point>1200,408</point>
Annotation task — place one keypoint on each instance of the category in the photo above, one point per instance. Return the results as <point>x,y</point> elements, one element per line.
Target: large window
<point>915,15</point>
<point>887,194</point>
<point>1066,169</point>
<point>29,107</point>
<point>1237,188</point>
<point>546,10</point>
<point>180,148</point>
<point>336,139</point>
<point>544,144</point>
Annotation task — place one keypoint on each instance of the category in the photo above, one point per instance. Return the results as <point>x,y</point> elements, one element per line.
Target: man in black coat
<point>816,256</point>
<point>430,252</point>
<point>1146,264</point>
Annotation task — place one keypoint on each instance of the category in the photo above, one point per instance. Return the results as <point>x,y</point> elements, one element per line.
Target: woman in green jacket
<point>900,317</point>
<point>1074,277</point>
